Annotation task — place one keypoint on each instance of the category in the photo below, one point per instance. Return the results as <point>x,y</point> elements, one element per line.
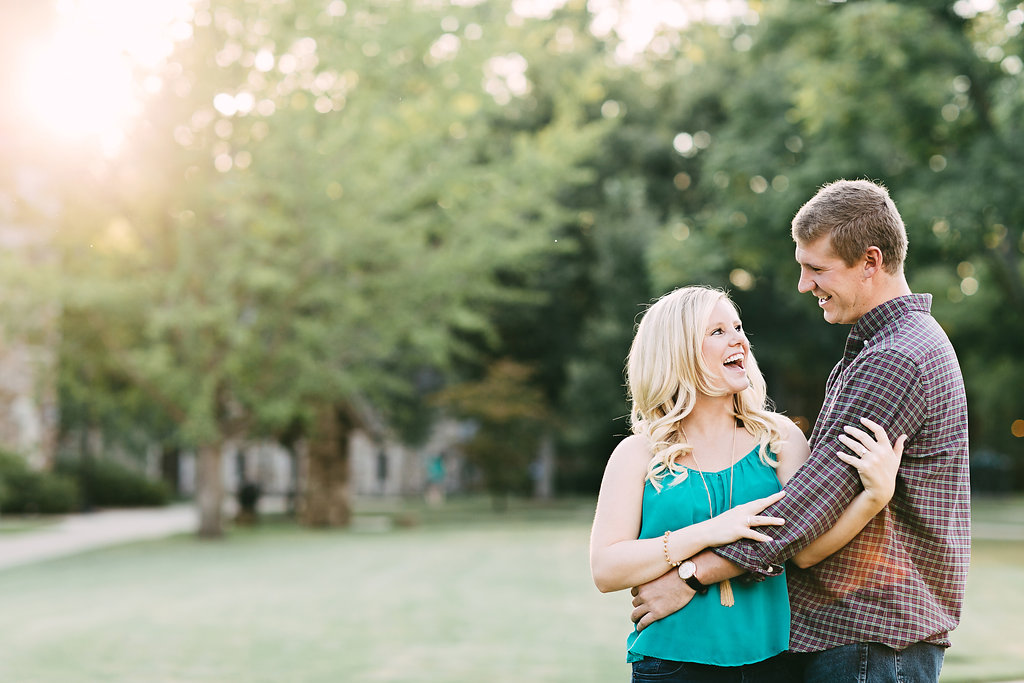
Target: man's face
<point>840,288</point>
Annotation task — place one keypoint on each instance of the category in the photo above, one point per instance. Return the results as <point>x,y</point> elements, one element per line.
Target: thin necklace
<point>724,587</point>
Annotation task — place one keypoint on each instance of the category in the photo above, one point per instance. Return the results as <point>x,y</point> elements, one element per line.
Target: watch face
<point>687,571</point>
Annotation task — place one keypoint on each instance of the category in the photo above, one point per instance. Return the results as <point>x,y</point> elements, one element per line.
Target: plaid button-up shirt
<point>901,580</point>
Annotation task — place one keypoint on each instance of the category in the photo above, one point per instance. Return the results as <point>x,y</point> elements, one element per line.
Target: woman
<point>706,457</point>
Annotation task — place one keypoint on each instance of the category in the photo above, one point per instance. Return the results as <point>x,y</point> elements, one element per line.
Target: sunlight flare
<point>80,83</point>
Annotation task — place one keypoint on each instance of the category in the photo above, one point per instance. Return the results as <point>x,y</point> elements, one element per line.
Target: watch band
<point>694,583</point>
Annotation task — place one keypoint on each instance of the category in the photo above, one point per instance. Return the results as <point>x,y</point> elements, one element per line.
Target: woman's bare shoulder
<point>793,450</point>
<point>789,429</point>
<point>634,449</point>
<point>634,444</point>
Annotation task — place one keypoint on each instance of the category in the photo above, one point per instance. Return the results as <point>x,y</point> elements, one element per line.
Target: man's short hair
<point>856,214</point>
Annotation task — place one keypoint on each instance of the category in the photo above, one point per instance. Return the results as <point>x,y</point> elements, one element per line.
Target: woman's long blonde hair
<point>666,372</point>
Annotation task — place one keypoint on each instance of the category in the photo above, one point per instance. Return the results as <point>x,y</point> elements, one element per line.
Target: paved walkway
<point>78,533</point>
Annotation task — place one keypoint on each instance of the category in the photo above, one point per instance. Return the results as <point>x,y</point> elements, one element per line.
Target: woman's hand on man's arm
<point>877,463</point>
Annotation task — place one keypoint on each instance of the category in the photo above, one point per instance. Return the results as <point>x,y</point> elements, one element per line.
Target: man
<point>883,606</point>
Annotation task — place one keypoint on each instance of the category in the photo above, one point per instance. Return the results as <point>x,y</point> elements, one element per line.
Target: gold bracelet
<point>668,558</point>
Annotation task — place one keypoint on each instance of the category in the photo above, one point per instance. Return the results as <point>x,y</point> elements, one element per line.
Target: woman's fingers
<point>865,440</point>
<point>761,503</point>
<point>856,446</point>
<point>875,428</point>
<point>859,434</point>
<point>897,447</point>
<point>849,459</point>
<point>758,520</point>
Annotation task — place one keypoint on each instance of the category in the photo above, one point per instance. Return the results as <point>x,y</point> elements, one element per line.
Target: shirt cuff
<point>759,570</point>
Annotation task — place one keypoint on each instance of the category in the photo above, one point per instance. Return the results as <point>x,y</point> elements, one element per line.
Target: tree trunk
<point>210,492</point>
<point>326,497</point>
<point>170,465</point>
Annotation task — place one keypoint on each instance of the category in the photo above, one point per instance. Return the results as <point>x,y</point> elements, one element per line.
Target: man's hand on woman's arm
<point>668,594</point>
<point>659,598</point>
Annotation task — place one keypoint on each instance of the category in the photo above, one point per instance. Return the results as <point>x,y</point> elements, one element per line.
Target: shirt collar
<point>878,317</point>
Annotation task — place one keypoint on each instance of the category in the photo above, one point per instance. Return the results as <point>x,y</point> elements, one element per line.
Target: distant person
<point>705,458</point>
<point>881,609</point>
<point>435,479</point>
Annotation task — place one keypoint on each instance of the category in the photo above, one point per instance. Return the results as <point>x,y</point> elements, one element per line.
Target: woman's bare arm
<point>619,559</point>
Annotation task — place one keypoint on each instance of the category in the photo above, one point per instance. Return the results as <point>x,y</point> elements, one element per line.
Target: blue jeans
<point>653,670</point>
<point>873,663</point>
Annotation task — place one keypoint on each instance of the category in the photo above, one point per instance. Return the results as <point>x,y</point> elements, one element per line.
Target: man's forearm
<point>712,568</point>
<point>668,594</point>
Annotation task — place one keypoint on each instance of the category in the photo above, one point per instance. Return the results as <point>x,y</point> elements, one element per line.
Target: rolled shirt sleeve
<point>883,386</point>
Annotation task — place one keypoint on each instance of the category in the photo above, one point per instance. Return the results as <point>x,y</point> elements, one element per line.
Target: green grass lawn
<point>989,644</point>
<point>449,595</point>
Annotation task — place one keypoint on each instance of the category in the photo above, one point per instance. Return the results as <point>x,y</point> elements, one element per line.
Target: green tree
<point>321,202</point>
<point>925,97</point>
<point>510,415</point>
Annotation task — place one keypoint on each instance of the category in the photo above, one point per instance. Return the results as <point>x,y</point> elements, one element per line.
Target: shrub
<point>105,483</point>
<point>26,491</point>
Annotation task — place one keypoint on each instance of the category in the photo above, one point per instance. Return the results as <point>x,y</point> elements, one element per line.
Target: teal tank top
<point>705,632</point>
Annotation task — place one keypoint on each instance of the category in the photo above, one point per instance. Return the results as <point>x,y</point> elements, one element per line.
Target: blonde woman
<point>706,457</point>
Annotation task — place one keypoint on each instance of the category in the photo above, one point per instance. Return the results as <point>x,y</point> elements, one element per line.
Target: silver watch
<point>687,572</point>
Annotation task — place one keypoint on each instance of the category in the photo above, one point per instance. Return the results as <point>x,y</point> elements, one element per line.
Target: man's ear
<point>872,261</point>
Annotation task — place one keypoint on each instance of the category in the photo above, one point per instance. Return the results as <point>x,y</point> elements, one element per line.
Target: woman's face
<point>725,348</point>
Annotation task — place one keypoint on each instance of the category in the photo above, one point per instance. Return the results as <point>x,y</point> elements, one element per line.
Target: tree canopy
<point>338,205</point>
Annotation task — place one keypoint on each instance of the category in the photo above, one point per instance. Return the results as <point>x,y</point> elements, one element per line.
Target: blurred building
<point>28,328</point>
<point>28,401</point>
<point>390,468</point>
<point>378,465</point>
